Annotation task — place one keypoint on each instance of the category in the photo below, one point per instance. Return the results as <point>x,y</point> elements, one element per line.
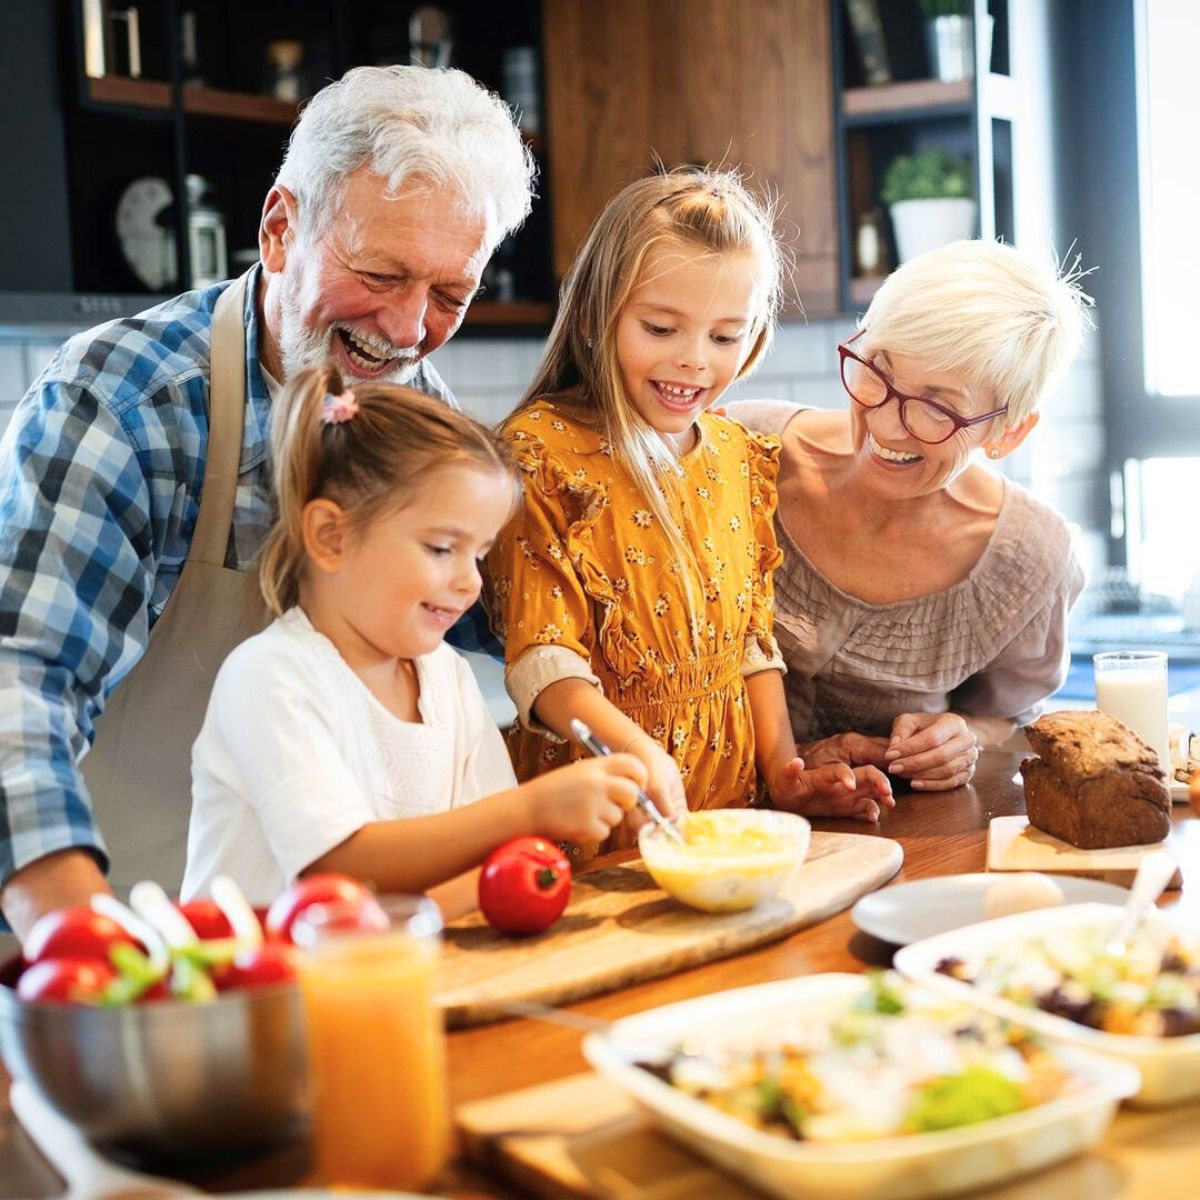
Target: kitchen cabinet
<point>630,83</point>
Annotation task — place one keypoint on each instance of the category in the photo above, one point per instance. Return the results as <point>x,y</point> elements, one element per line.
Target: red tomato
<point>75,933</point>
<point>524,885</point>
<point>65,981</point>
<point>207,921</point>
<point>355,904</point>
<point>272,962</point>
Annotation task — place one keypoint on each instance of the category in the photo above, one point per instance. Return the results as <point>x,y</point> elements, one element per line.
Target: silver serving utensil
<point>590,742</point>
<point>1153,874</point>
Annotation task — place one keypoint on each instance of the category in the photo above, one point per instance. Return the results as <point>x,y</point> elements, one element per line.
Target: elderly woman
<point>922,604</point>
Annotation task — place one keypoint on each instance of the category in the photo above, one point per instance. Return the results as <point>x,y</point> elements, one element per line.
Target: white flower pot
<point>921,225</point>
<point>951,43</point>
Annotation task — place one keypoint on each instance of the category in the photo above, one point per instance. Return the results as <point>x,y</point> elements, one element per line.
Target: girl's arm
<point>578,803</point>
<point>565,699</point>
<point>833,790</point>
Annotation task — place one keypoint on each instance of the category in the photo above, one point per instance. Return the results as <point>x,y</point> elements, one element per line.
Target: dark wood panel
<point>695,81</point>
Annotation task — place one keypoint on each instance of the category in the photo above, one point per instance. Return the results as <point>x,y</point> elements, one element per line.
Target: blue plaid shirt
<point>100,476</point>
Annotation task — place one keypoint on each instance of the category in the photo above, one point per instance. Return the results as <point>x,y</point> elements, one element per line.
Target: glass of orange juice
<point>376,1044</point>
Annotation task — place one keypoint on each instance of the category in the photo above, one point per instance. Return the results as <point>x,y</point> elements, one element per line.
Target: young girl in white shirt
<point>346,736</point>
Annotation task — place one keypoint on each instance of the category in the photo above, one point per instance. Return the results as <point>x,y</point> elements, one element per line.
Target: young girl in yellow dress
<point>633,587</point>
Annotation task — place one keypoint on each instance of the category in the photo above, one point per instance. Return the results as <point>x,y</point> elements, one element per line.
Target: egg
<point>1019,893</point>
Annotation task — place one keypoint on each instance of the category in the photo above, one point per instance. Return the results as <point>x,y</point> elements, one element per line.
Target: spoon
<point>1153,874</point>
<point>590,742</point>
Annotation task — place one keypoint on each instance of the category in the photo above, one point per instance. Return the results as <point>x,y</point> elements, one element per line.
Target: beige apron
<point>139,769</point>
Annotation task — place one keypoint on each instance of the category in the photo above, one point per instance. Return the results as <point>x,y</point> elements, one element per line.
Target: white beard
<point>301,347</point>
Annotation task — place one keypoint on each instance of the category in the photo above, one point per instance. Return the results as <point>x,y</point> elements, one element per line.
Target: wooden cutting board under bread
<point>581,1138</point>
<point>1015,845</point>
<point>621,928</point>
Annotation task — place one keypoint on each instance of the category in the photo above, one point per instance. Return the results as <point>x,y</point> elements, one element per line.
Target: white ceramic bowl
<point>898,1168</point>
<point>742,859</point>
<point>1170,1067</point>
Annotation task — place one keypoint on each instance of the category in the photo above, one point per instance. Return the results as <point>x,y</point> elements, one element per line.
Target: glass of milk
<point>1131,685</point>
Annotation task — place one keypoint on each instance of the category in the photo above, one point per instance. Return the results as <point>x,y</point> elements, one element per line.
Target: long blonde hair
<point>710,209</point>
<point>369,465</point>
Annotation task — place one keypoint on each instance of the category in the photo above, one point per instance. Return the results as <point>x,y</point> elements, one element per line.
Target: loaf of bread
<point>1095,783</point>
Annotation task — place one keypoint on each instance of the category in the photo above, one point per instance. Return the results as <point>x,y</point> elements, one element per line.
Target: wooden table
<point>941,835</point>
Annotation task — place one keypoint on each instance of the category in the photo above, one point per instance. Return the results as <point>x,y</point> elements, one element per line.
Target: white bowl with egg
<point>729,859</point>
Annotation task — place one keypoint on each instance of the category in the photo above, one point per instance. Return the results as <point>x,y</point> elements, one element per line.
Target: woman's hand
<point>854,749</point>
<point>934,751</point>
<point>833,790</point>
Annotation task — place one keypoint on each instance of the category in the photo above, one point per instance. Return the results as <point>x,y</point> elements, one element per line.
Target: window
<point>1169,99</point>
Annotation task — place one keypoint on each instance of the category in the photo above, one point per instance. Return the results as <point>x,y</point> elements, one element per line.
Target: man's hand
<point>934,751</point>
<point>61,880</point>
<point>833,790</point>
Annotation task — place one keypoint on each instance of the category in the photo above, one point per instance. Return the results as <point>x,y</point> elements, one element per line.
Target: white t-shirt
<point>296,755</point>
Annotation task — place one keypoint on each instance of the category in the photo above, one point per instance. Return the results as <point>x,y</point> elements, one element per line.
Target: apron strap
<point>226,417</point>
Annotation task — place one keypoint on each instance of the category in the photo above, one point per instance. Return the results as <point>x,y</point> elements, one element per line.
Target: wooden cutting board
<point>580,1138</point>
<point>621,928</point>
<point>1015,845</point>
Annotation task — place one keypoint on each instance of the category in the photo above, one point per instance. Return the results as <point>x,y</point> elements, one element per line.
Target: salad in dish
<point>1150,990</point>
<point>893,1063</point>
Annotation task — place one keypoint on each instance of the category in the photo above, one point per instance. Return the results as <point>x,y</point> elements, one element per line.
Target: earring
<point>589,343</point>
<point>993,453</point>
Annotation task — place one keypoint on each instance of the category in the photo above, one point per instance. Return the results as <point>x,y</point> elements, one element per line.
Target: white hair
<point>1008,321</point>
<point>409,124</point>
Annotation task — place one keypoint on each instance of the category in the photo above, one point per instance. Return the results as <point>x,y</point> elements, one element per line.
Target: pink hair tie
<point>339,409</point>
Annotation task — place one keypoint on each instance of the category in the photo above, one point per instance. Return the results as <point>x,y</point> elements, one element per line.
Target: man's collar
<point>256,432</point>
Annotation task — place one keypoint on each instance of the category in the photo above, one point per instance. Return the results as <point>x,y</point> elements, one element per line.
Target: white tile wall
<point>1060,462</point>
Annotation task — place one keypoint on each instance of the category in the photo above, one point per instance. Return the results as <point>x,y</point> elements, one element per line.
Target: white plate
<point>908,912</point>
<point>1170,1067</point>
<point>1179,792</point>
<point>900,1168</point>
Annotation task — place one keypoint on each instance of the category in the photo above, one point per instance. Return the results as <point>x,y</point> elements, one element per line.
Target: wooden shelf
<point>238,106</point>
<point>872,105</point>
<point>130,93</point>
<point>197,101</point>
<point>514,312</point>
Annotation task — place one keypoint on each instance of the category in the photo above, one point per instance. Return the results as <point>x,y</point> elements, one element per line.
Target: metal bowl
<point>166,1080</point>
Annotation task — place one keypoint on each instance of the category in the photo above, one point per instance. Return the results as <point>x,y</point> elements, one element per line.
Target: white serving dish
<point>1170,1067</point>
<point>899,1168</point>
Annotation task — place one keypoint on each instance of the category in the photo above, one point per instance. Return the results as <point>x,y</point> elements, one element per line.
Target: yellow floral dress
<point>583,582</point>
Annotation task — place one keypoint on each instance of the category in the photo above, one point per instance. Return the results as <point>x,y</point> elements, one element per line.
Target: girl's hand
<point>935,751</point>
<point>584,801</point>
<point>664,784</point>
<point>833,790</point>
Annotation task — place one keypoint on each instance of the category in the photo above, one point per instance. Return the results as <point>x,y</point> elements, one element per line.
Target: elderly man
<point>135,476</point>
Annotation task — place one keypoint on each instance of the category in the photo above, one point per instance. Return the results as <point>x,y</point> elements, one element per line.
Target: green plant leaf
<point>929,175</point>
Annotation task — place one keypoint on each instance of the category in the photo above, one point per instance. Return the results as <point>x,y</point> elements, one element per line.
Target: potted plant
<point>929,198</point>
<point>950,37</point>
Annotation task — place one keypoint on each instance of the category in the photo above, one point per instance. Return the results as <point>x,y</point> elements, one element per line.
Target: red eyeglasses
<point>925,420</point>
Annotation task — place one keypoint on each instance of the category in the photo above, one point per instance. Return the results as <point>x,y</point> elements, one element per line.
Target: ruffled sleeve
<point>761,651</point>
<point>537,601</point>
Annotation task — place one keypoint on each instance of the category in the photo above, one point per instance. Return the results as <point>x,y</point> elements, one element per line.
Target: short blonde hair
<point>370,465</point>
<point>1011,322</point>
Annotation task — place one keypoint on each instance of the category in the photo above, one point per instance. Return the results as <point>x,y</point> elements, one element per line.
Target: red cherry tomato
<point>354,904</point>
<point>272,962</point>
<point>207,921</point>
<point>65,981</point>
<point>524,885</point>
<point>76,933</point>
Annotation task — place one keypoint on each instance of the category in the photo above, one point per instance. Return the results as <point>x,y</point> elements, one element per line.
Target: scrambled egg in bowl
<point>729,859</point>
